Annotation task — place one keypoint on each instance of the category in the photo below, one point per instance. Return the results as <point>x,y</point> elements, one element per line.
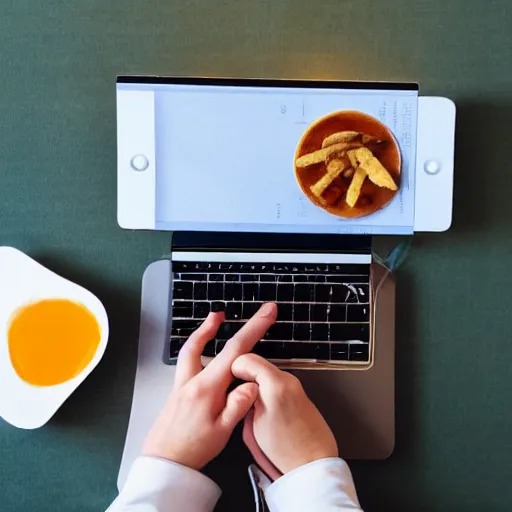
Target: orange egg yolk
<point>52,341</point>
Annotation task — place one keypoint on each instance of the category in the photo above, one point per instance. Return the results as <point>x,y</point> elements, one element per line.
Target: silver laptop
<point>235,169</point>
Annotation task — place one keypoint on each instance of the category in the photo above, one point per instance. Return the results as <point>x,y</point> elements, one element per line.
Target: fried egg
<point>52,335</point>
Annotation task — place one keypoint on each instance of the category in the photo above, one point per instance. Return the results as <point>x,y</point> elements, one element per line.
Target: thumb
<point>238,404</point>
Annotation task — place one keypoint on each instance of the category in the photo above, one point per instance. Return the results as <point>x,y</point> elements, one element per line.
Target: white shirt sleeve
<point>325,485</point>
<point>158,485</point>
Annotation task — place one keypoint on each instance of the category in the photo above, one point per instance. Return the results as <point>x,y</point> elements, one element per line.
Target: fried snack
<point>334,168</point>
<point>335,138</point>
<point>353,160</point>
<point>322,154</point>
<point>370,140</point>
<point>354,190</point>
<point>373,168</point>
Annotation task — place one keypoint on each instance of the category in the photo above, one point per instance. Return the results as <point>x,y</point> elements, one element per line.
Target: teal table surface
<point>58,63</point>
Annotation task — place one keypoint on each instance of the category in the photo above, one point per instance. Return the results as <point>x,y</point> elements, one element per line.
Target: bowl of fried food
<point>348,163</point>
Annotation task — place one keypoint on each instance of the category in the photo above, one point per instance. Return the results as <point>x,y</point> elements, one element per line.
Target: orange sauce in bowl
<point>52,341</point>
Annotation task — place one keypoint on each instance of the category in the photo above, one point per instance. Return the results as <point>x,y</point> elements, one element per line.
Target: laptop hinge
<point>270,242</point>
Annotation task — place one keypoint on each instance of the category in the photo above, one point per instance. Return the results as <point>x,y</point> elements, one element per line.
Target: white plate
<point>22,280</point>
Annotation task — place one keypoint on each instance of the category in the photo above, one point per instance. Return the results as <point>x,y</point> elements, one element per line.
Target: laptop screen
<point>228,155</point>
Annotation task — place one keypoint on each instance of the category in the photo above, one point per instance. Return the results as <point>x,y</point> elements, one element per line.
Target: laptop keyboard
<point>323,310</point>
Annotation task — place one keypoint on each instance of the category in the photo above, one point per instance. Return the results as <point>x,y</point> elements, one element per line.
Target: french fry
<point>354,190</point>
<point>334,168</point>
<point>373,168</point>
<point>320,155</point>
<point>335,138</point>
<point>353,159</point>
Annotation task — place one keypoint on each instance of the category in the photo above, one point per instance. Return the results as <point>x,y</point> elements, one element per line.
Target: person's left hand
<point>199,416</point>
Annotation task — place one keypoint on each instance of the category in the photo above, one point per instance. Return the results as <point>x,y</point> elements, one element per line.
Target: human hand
<point>288,428</point>
<point>199,416</point>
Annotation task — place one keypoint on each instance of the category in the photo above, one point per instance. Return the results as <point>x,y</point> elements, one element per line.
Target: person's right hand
<point>288,428</point>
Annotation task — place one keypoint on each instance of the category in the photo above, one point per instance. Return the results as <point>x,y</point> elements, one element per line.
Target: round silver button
<point>139,163</point>
<point>432,166</point>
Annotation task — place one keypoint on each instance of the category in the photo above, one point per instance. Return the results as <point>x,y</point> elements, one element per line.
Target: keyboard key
<point>339,351</point>
<point>200,290</point>
<point>358,313</point>
<point>201,309</point>
<point>348,332</point>
<point>176,343</point>
<point>337,313</point>
<point>285,312</point>
<point>232,277</point>
<point>249,309</point>
<point>304,293</point>
<point>182,309</point>
<point>350,294</point>
<point>270,349</point>
<point>350,269</point>
<point>301,312</point>
<point>338,293</point>
<point>284,278</point>
<point>301,278</point>
<point>321,351</point>
<point>250,291</point>
<point>268,277</point>
<point>301,331</point>
<point>281,331</point>
<point>319,312</point>
<point>249,277</point>
<point>307,350</point>
<point>285,292</point>
<point>215,277</point>
<point>322,293</point>
<point>193,277</point>
<point>363,291</point>
<point>179,266</point>
<point>234,311</point>
<point>359,352</point>
<point>218,306</point>
<point>230,291</point>
<point>228,329</point>
<point>267,292</point>
<point>320,332</point>
<point>184,327</point>
<point>182,290</point>
<point>215,291</point>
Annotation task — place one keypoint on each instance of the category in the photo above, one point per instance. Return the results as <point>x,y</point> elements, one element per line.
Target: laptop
<point>231,167</point>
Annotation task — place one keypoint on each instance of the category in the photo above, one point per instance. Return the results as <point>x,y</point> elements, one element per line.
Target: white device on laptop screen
<point>217,155</point>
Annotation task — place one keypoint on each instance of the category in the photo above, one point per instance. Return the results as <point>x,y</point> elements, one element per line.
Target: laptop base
<point>358,404</point>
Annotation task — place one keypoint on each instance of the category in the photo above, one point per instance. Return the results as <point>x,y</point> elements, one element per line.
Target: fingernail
<point>267,309</point>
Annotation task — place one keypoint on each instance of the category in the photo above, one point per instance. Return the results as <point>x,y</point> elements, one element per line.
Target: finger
<point>253,368</point>
<point>238,404</point>
<point>219,370</point>
<point>189,358</point>
<point>257,453</point>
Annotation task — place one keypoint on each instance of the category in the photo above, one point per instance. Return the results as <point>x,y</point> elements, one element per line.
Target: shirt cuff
<point>324,484</point>
<point>167,487</point>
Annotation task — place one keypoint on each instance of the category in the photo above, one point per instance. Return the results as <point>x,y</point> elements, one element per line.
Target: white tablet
<point>201,154</point>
